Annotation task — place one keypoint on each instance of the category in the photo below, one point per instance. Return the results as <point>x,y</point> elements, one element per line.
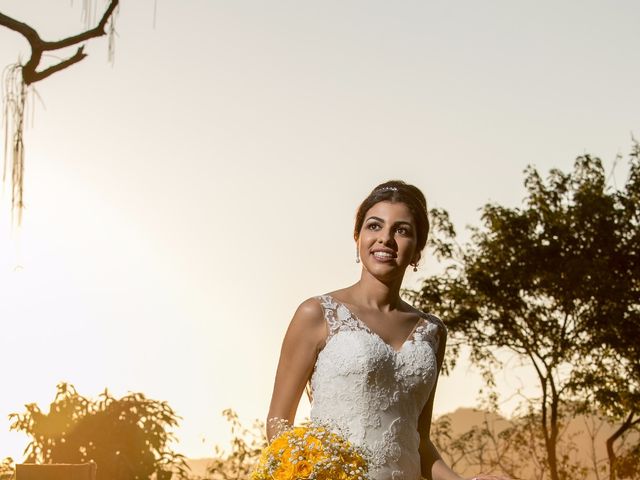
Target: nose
<point>385,236</point>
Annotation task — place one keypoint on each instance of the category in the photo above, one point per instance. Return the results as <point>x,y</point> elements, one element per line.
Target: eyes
<point>404,231</point>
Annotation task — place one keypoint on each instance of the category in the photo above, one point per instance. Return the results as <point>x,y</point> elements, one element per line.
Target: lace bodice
<point>373,394</point>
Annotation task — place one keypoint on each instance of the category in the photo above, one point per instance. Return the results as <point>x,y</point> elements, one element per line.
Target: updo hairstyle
<point>401,192</point>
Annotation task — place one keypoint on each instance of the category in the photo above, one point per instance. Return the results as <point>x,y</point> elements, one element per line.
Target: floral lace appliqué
<point>373,394</point>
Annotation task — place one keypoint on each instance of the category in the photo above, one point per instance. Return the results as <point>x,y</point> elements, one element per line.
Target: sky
<point>182,202</point>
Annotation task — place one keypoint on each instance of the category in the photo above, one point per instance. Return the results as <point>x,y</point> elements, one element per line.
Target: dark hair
<point>397,191</point>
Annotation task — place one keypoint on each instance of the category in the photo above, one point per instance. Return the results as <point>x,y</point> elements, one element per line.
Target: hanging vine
<point>18,80</point>
<point>13,119</point>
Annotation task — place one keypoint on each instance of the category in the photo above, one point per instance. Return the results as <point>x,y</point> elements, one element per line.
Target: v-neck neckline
<point>372,332</point>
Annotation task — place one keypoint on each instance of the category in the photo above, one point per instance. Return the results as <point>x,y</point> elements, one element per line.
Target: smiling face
<point>387,243</point>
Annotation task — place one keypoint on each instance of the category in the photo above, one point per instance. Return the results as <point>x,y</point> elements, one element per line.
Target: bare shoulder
<point>308,327</point>
<point>310,313</point>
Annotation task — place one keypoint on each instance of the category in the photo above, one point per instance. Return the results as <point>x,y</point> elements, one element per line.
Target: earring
<point>357,257</point>
<point>415,267</point>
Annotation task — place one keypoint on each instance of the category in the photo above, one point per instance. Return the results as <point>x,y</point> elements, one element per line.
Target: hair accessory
<point>395,189</point>
<point>389,187</point>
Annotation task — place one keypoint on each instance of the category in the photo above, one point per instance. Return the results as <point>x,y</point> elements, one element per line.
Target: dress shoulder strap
<point>332,319</point>
<point>330,312</point>
<point>432,329</point>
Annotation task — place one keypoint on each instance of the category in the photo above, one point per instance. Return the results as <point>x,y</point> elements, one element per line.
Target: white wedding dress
<point>372,394</point>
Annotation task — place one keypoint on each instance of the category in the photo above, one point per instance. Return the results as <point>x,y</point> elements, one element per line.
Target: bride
<point>371,360</point>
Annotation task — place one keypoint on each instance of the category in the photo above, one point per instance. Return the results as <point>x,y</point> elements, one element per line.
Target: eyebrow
<point>381,220</point>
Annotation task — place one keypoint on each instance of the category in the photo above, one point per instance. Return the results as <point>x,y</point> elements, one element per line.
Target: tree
<point>7,469</point>
<point>19,77</point>
<point>127,438</point>
<point>513,446</point>
<point>610,377</point>
<point>555,282</point>
<point>246,446</point>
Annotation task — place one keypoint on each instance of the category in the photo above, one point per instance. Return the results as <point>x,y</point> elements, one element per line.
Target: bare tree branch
<point>79,55</point>
<point>98,31</point>
<point>22,28</point>
<point>38,46</point>
<point>21,76</point>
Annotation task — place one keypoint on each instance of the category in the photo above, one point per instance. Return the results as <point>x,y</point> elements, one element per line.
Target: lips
<point>383,255</point>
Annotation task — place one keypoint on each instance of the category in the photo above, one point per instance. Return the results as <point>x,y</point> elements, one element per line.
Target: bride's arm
<point>433,467</point>
<point>303,340</point>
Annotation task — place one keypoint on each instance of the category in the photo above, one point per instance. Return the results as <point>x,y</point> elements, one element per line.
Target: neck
<point>378,294</point>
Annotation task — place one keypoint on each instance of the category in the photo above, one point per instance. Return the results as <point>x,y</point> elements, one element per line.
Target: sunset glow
<point>183,202</point>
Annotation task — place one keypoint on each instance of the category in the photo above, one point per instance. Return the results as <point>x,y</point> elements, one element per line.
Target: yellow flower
<point>302,469</point>
<point>301,452</point>
<point>279,442</point>
<point>284,472</point>
<point>315,455</point>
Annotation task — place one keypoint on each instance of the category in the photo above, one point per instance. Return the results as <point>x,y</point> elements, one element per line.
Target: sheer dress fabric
<point>372,394</point>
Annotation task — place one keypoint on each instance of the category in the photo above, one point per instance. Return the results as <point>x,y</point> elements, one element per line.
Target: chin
<point>383,272</point>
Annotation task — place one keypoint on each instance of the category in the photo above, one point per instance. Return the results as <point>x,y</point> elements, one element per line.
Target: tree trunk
<point>626,425</point>
<point>553,440</point>
<point>550,425</point>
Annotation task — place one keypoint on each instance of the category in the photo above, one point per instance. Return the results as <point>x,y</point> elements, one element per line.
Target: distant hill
<point>198,465</point>
<point>588,433</point>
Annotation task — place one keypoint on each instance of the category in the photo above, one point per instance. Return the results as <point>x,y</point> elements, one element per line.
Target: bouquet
<point>310,452</point>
